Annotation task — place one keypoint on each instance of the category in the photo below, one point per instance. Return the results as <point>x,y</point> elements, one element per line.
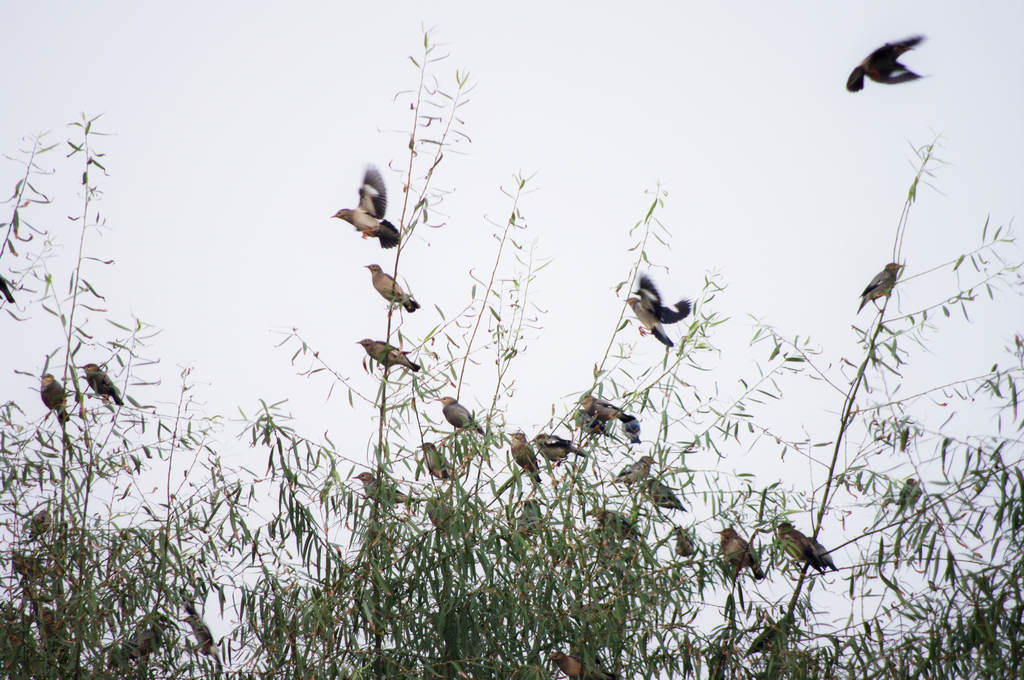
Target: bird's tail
<point>410,305</point>
<point>388,235</point>
<point>117,399</point>
<point>62,416</point>
<point>855,83</point>
<point>412,364</point>
<point>659,333</point>
<point>758,572</point>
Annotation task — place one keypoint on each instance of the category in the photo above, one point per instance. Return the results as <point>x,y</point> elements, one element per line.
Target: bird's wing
<point>648,292</point>
<point>670,315</point>
<point>903,76</point>
<point>373,195</point>
<point>898,48</point>
<point>855,83</point>
<point>875,283</point>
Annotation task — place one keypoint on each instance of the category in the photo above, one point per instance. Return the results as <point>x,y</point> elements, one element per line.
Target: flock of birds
<point>595,415</point>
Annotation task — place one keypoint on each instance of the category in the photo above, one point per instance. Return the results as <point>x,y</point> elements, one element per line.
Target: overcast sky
<point>240,128</point>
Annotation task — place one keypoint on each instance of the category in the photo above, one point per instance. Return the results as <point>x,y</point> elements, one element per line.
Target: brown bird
<point>434,462</point>
<point>684,546</point>
<point>662,496</point>
<point>5,289</point>
<point>388,491</point>
<point>738,552</point>
<point>555,448</point>
<point>439,513</point>
<point>138,645</point>
<point>909,494</point>
<point>883,65</point>
<point>598,412</point>
<point>652,313</point>
<point>204,637</point>
<point>385,354</point>
<point>616,524</point>
<point>634,472</point>
<point>881,285</point>
<point>803,548</point>
<point>54,396</point>
<point>523,455</point>
<point>458,415</point>
<point>368,217</point>
<point>390,290</point>
<point>573,667</point>
<point>101,383</point>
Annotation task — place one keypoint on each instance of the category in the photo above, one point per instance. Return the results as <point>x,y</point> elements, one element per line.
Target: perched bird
<point>738,552</point>
<point>388,491</point>
<point>883,65</point>
<point>554,448</point>
<point>599,412</point>
<point>574,668</point>
<point>435,462</point>
<point>531,514</point>
<point>634,472</point>
<point>138,645</point>
<point>204,637</point>
<point>390,290</point>
<point>368,218</point>
<point>909,494</point>
<point>383,353</point>
<point>616,524</point>
<point>881,285</point>
<point>803,548</point>
<point>523,455</point>
<point>652,314</point>
<point>663,497</point>
<point>40,524</point>
<point>439,513</point>
<point>54,396</point>
<point>684,546</point>
<point>5,289</point>
<point>458,415</point>
<point>101,383</point>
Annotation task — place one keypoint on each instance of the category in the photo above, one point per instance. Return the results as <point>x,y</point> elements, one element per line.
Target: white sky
<point>241,128</point>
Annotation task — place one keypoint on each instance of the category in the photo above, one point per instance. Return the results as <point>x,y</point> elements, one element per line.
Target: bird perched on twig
<point>390,290</point>
<point>881,285</point>
<point>616,524</point>
<point>434,462</point>
<point>523,455</point>
<point>54,396</point>
<point>531,514</point>
<point>101,383</point>
<point>652,314</point>
<point>574,668</point>
<point>458,415</point>
<point>663,496</point>
<point>883,65</point>
<point>803,548</point>
<point>909,494</point>
<point>138,645</point>
<point>684,546</point>
<point>207,645</point>
<point>555,448</point>
<point>599,412</point>
<point>634,472</point>
<point>5,289</point>
<point>388,491</point>
<point>368,217</point>
<point>385,354</point>
<point>737,552</point>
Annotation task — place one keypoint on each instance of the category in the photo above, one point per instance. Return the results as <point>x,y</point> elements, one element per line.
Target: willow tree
<point>483,570</point>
